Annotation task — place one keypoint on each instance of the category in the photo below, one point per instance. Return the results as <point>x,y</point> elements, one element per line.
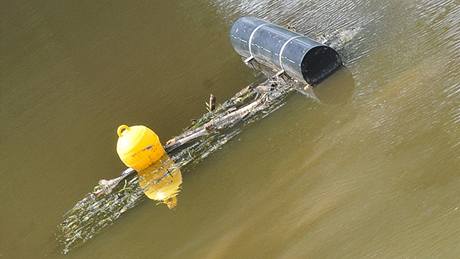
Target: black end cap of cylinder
<point>319,63</point>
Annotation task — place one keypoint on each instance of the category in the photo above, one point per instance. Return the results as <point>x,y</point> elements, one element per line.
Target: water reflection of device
<point>337,88</point>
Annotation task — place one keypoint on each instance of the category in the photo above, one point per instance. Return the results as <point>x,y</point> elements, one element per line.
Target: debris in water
<point>211,105</point>
<point>109,200</point>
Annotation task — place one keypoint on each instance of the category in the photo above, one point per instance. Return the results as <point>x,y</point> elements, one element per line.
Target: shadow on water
<point>337,89</point>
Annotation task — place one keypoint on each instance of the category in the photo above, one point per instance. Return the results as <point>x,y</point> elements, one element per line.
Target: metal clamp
<point>250,42</point>
<point>246,61</point>
<point>283,47</point>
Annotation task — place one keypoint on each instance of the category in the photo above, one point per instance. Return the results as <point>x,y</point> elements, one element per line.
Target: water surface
<point>376,175</point>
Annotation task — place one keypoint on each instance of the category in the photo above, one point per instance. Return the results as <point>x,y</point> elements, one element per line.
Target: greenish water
<point>375,176</point>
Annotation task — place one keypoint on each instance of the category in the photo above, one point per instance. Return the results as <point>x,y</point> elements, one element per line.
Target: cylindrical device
<point>297,55</point>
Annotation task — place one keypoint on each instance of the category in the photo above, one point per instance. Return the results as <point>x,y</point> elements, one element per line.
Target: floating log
<point>111,198</point>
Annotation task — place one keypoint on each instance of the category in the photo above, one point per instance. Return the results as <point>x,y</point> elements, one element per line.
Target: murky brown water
<point>375,176</point>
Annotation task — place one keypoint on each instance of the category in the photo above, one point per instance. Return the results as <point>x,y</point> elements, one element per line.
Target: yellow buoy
<point>138,146</point>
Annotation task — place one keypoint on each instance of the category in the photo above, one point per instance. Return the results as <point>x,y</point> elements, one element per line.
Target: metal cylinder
<point>281,49</point>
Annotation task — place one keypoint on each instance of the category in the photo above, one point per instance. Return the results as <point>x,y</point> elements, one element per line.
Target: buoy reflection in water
<point>161,181</point>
